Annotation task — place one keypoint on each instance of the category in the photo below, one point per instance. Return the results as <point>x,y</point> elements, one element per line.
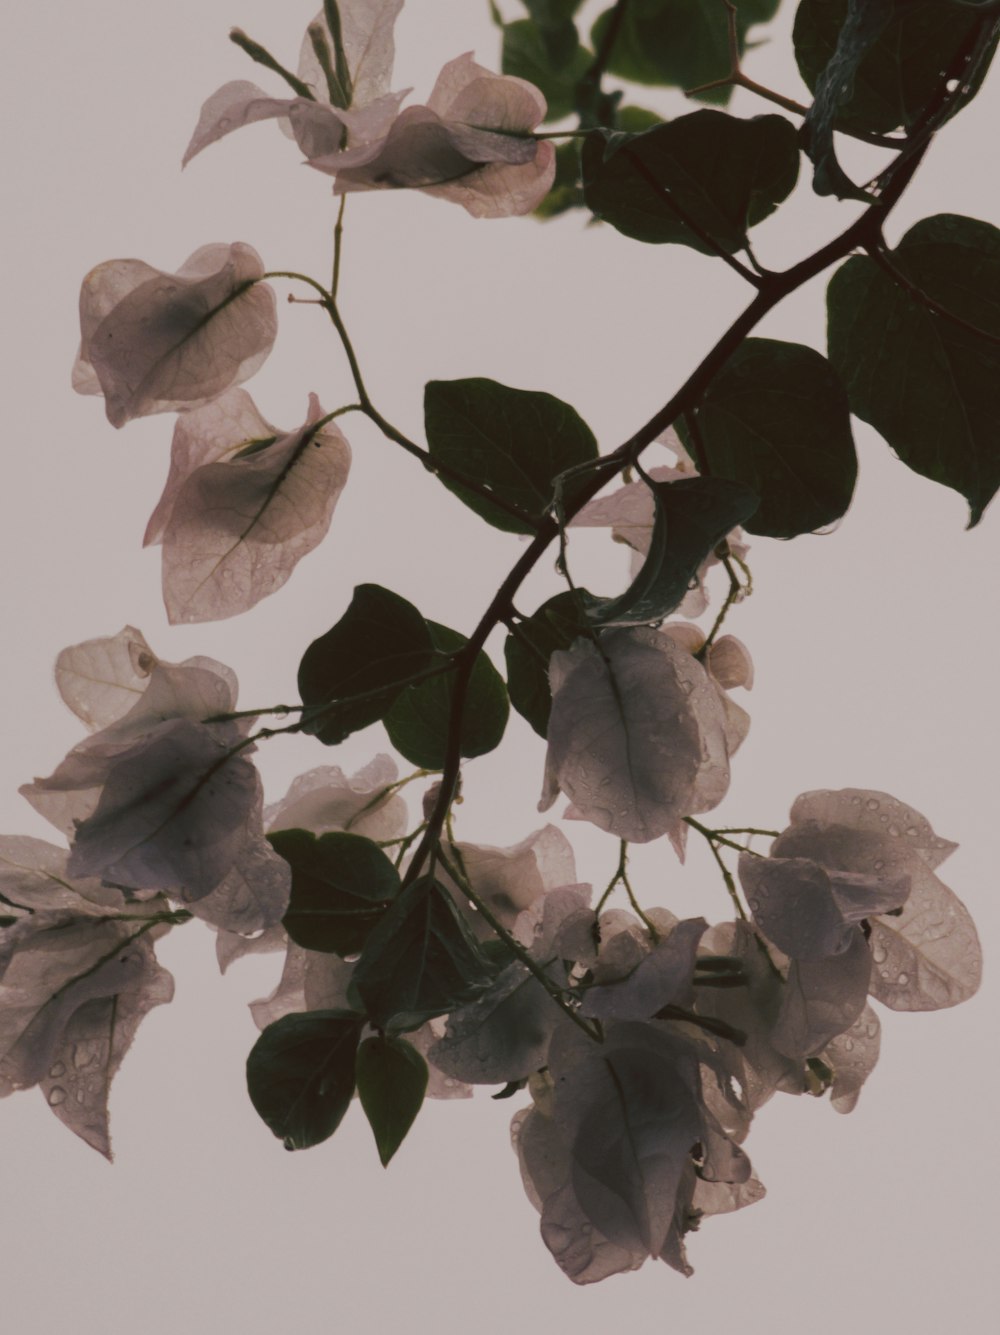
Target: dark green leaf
<point>555,625</point>
<point>341,886</point>
<point>679,43</point>
<point>300,1074</point>
<point>896,75</point>
<point>929,385</point>
<point>723,173</point>
<point>420,961</point>
<point>392,1080</point>
<point>528,55</point>
<point>776,418</point>
<point>692,516</point>
<point>515,442</point>
<point>552,13</point>
<point>634,120</point>
<point>377,645</point>
<point>417,723</point>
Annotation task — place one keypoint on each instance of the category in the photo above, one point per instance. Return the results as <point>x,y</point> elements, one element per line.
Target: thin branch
<point>411,447</point>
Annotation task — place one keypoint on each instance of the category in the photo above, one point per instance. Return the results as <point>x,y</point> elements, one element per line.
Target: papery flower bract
<point>609,1151</point>
<point>471,144</point>
<point>848,894</point>
<point>77,975</point>
<point>154,342</point>
<point>160,800</point>
<point>640,734</point>
<point>242,505</point>
<point>629,511</point>
<point>318,126</point>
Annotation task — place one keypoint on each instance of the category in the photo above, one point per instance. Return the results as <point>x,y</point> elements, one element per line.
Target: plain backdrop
<point>876,652</point>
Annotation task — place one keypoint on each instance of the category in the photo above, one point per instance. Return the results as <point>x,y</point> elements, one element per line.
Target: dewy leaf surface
<point>515,442</point>
<point>300,1075</point>
<point>897,73</point>
<point>238,527</point>
<point>724,173</point>
<point>378,644</point>
<point>776,418</point>
<point>928,383</point>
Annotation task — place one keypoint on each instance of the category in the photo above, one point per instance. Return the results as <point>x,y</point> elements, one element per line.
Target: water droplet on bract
<point>884,973</point>
<point>57,1069</point>
<point>57,1095</point>
<point>878,864</point>
<point>84,1054</point>
<point>848,1044</point>
<point>894,831</point>
<point>855,801</point>
<point>450,1083</point>
<point>883,818</point>
<point>912,831</point>
<point>872,1029</point>
<point>81,1096</point>
<point>879,954</point>
<point>903,979</point>
<point>872,804</point>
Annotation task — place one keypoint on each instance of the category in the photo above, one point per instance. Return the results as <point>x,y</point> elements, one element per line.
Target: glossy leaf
<point>776,418</point>
<point>514,442</point>
<point>417,723</point>
<point>929,384</point>
<point>556,624</point>
<point>724,173</point>
<point>300,1074</point>
<point>420,961</point>
<point>341,886</point>
<point>896,74</point>
<point>392,1080</point>
<point>379,642</point>
<point>680,43</point>
<point>692,517</point>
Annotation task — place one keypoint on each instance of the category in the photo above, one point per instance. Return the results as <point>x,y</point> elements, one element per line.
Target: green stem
<point>262,56</point>
<point>338,243</point>
<point>385,793</point>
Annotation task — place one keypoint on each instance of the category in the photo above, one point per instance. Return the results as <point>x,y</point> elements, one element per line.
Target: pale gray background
<point>876,651</point>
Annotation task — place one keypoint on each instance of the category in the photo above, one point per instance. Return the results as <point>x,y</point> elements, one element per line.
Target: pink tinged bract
<point>639,736</point>
<point>100,680</point>
<point>926,957</point>
<point>155,342</point>
<point>366,30</point>
<point>238,526</point>
<point>471,144</point>
<point>75,981</point>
